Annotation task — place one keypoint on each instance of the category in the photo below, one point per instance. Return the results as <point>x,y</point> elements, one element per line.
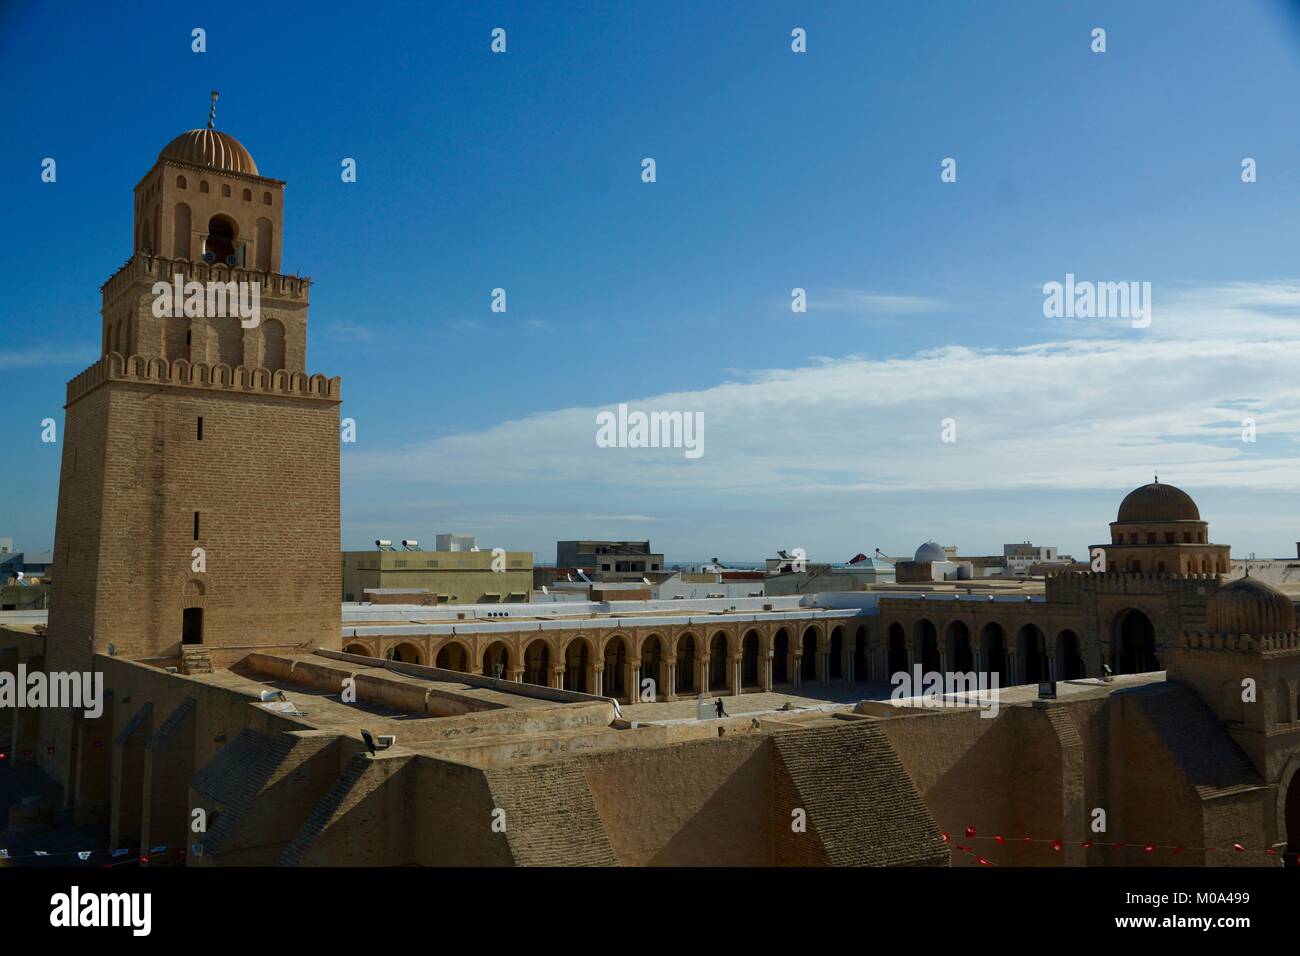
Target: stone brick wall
<point>264,480</point>
<point>702,803</point>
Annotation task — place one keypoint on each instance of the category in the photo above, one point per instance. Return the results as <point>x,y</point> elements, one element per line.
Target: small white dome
<point>930,552</point>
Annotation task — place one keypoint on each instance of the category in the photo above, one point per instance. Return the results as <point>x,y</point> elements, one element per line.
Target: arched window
<point>221,238</point>
<point>264,238</point>
<point>272,345</point>
<point>181,231</point>
<point>248,195</point>
<point>266,199</point>
<point>180,182</point>
<point>203,185</point>
<point>225,190</point>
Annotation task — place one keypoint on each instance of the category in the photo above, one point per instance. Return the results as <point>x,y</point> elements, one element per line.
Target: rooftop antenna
<point>212,111</point>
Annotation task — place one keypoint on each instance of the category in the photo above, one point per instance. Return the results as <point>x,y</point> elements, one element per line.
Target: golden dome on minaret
<point>211,148</point>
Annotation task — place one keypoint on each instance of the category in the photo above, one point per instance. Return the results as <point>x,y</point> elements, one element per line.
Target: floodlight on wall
<point>270,695</point>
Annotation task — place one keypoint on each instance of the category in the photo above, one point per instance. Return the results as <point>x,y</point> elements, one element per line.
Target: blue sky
<point>775,170</point>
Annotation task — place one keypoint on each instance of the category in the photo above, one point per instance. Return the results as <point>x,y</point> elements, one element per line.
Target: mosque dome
<point>208,147</point>
<point>1156,503</point>
<point>1249,606</point>
<point>930,552</point>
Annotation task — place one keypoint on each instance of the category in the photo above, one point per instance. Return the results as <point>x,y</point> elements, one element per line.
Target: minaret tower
<point>198,511</point>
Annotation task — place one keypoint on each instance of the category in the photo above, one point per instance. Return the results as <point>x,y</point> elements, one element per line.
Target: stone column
<point>557,676</point>
<point>702,675</point>
<point>798,670</point>
<point>598,679</point>
<point>516,674</point>
<point>765,673</point>
<point>849,668</point>
<point>737,670</point>
<point>634,672</point>
<point>670,691</point>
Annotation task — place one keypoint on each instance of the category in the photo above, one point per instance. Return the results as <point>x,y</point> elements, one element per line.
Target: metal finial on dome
<point>1155,482</point>
<point>212,111</point>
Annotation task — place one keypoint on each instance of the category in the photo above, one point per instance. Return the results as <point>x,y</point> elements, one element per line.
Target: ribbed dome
<point>1157,502</point>
<point>1249,606</point>
<point>930,552</point>
<point>207,147</point>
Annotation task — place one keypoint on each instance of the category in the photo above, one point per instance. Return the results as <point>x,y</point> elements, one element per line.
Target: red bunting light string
<point>121,857</point>
<point>1148,848</point>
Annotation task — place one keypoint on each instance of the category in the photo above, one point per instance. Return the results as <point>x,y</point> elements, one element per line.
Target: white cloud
<point>1076,414</point>
<point>872,304</point>
<point>36,358</point>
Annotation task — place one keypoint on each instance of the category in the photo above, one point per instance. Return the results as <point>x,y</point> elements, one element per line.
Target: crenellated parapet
<point>142,268</point>
<point>1284,642</point>
<point>183,374</point>
<point>1070,586</point>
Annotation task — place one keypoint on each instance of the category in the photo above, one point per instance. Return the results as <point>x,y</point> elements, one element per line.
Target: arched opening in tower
<point>452,657</point>
<point>652,659</point>
<point>686,663</point>
<point>781,658</point>
<point>615,659</point>
<point>537,661</point>
<point>221,239</point>
<point>835,661</point>
<point>749,660</point>
<point>575,666</point>
<point>1069,663</point>
<point>405,654</point>
<point>1033,654</point>
<point>897,650</point>
<point>927,639</point>
<point>960,656</point>
<point>1133,649</point>
<point>995,652</point>
<point>718,662</point>
<point>808,663</point>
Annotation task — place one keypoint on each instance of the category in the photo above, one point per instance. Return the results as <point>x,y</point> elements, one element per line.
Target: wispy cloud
<point>873,305</point>
<point>1076,414</point>
<point>36,358</point>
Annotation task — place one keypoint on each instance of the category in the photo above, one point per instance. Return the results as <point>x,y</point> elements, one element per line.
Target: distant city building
<point>455,542</point>
<point>437,577</point>
<point>682,585</point>
<point>609,560</point>
<point>790,574</point>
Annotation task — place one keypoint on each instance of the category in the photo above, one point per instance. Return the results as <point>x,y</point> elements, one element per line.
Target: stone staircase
<point>195,659</point>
